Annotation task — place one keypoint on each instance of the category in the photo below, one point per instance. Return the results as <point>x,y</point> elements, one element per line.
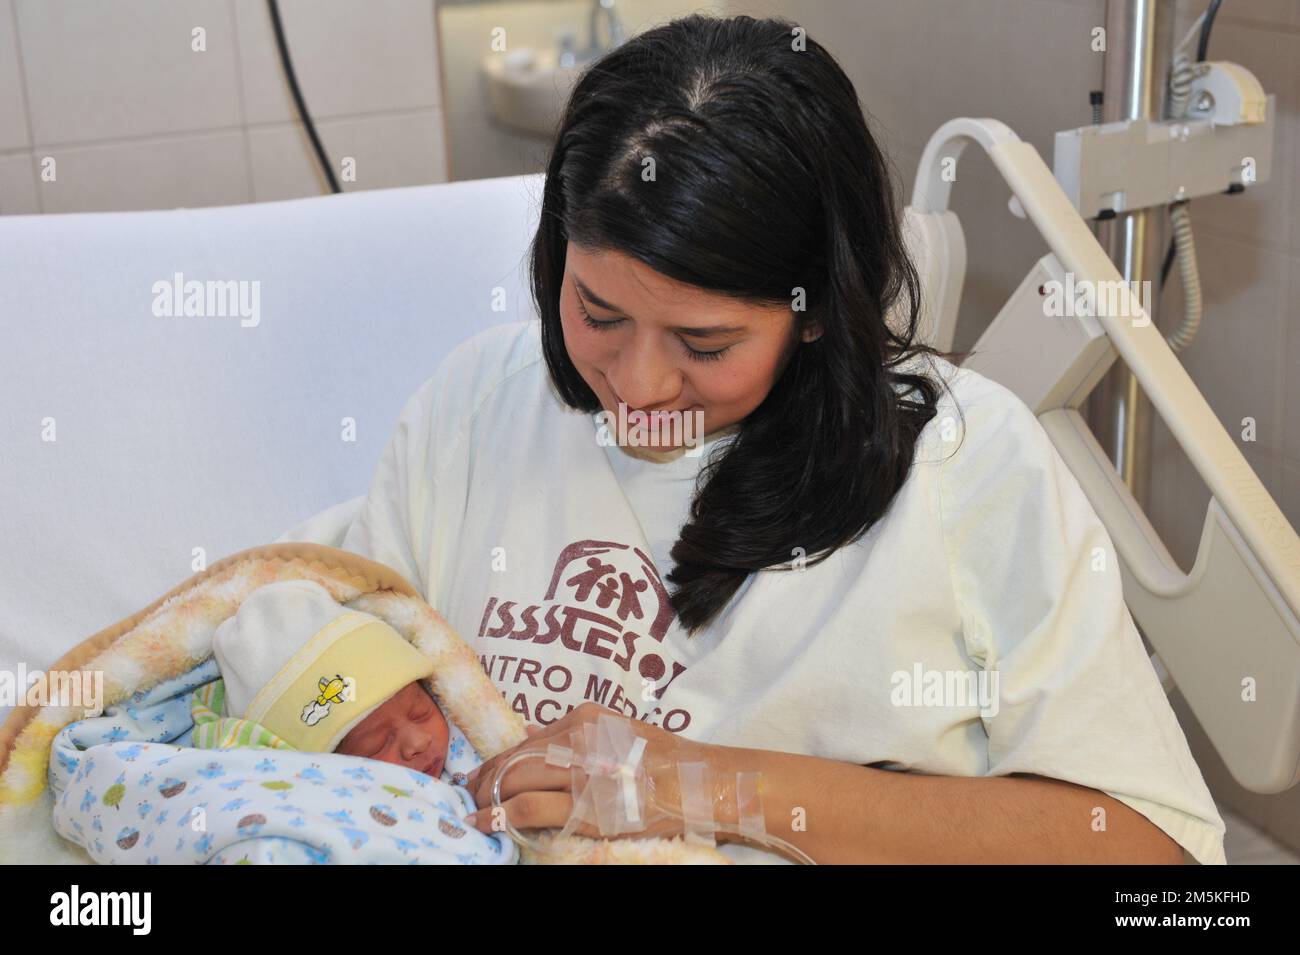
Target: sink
<point>528,88</point>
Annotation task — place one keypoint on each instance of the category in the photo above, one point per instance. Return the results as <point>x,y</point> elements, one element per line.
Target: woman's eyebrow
<point>593,297</point>
<point>694,331</point>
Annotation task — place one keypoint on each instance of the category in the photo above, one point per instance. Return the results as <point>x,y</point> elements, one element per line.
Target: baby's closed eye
<point>371,746</point>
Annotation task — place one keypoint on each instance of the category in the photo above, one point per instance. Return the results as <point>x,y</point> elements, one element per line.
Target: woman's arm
<point>841,813</point>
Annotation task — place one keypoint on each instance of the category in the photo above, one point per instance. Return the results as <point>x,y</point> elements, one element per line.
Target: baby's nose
<point>414,741</point>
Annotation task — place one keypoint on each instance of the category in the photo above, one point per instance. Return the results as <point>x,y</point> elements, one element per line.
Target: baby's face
<point>408,729</point>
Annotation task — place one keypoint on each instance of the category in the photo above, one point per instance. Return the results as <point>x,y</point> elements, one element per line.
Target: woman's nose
<point>646,379</point>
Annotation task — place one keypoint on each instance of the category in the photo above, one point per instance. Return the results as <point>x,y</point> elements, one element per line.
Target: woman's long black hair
<point>765,181</point>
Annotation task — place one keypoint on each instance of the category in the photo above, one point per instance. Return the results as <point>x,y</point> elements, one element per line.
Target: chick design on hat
<point>330,692</point>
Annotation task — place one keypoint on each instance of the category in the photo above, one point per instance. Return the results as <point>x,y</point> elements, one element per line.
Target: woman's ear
<point>812,332</point>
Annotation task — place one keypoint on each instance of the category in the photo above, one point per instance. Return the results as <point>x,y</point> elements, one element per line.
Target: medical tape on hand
<point>697,803</point>
<point>559,756</point>
<point>631,802</point>
<point>749,807</point>
<point>609,756</point>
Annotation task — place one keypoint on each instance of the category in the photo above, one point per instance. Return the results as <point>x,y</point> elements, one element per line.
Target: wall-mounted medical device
<point>1223,144</point>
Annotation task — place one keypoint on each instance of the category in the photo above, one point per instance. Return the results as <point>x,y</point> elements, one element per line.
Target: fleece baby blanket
<point>129,789</point>
<point>173,636</point>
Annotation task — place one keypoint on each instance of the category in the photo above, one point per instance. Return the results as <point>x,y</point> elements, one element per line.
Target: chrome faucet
<point>614,26</point>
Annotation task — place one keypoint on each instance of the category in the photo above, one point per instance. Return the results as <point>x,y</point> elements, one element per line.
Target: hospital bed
<point>139,445</point>
<point>1227,632</point>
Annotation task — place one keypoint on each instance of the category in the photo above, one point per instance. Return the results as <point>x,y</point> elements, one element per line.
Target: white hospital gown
<point>548,550</point>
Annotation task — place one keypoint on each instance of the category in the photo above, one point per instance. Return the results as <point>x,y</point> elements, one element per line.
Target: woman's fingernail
<point>472,819</point>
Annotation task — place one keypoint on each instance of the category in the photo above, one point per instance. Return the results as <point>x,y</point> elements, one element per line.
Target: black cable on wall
<point>287,62</point>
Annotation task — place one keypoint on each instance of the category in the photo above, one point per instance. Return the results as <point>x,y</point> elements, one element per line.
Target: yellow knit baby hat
<point>307,668</point>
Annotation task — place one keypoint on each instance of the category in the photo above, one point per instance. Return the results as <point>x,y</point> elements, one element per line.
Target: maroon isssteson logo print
<point>604,600</point>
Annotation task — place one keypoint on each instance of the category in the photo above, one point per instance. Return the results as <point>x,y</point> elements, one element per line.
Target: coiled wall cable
<point>1181,221</point>
<point>1182,74</point>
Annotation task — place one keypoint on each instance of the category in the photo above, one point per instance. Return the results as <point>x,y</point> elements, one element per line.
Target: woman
<point>873,581</point>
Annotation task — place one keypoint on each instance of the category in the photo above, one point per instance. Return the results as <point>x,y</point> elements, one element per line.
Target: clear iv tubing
<point>767,840</point>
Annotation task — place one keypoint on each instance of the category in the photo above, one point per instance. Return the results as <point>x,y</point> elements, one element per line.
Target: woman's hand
<point>537,796</point>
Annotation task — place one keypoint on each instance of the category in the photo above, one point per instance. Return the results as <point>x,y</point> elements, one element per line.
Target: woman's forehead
<point>620,283</point>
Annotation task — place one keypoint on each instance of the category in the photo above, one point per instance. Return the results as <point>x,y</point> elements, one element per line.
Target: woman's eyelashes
<point>601,326</point>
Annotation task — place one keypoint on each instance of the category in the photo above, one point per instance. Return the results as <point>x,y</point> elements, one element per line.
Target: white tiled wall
<point>481,148</point>
<point>134,118</point>
<point>1028,63</point>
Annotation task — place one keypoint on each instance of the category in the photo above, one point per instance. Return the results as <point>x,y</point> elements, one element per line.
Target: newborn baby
<point>300,671</point>
<point>306,687</point>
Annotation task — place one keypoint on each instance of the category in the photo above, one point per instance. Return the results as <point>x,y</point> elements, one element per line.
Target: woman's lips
<point>618,400</point>
<point>662,412</point>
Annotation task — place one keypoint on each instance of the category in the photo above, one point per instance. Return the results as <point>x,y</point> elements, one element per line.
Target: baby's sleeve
<point>1037,581</point>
